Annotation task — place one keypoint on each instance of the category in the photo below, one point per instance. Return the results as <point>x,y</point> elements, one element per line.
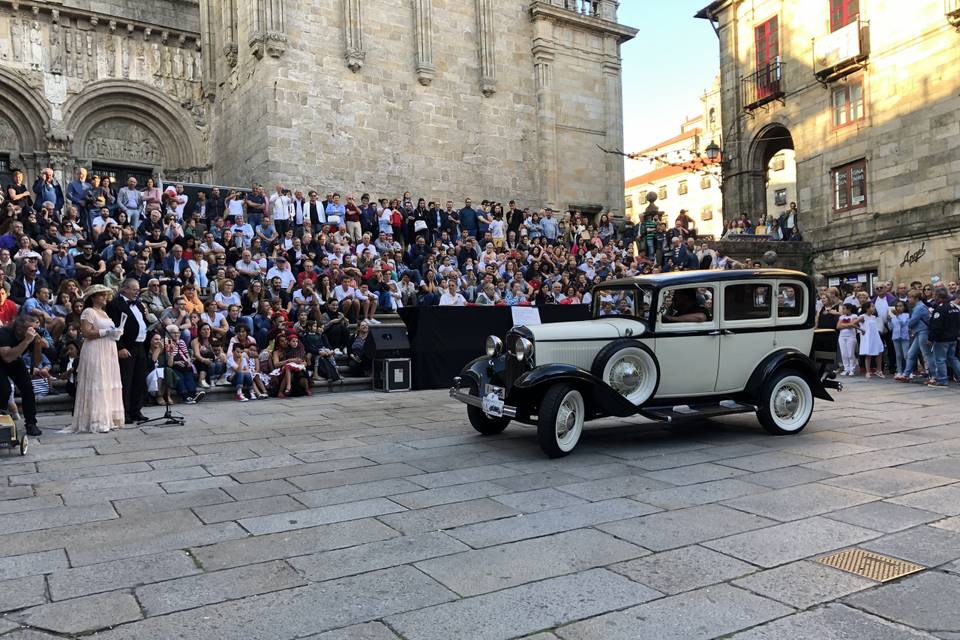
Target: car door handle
<point>721,332</point>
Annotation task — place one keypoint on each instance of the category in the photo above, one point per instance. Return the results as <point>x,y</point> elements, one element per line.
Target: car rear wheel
<point>786,404</point>
<point>560,420</point>
<point>629,368</point>
<point>480,421</point>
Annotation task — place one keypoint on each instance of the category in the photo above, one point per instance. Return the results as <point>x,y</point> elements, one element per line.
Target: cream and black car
<point>685,345</point>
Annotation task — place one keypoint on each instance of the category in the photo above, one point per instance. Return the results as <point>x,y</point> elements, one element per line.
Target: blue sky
<point>666,67</point>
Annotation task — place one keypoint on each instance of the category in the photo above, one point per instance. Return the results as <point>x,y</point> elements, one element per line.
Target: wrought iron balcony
<point>952,10</point>
<point>843,51</point>
<point>763,86</point>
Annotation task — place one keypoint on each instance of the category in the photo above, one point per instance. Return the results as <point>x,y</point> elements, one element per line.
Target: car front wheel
<point>560,420</point>
<point>786,404</point>
<point>480,421</point>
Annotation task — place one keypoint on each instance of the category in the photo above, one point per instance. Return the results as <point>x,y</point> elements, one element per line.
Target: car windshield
<point>629,302</point>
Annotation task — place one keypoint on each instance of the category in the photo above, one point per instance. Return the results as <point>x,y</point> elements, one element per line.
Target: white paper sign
<point>526,316</point>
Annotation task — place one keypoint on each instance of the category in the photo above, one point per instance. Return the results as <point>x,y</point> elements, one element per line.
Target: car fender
<point>789,359</point>
<point>606,401</point>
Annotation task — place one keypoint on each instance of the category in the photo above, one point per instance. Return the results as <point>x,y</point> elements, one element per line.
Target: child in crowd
<point>900,335</point>
<point>240,373</point>
<point>871,344</point>
<point>848,326</point>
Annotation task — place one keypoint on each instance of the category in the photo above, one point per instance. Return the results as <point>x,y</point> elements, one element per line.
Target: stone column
<point>607,9</point>
<point>353,34</point>
<point>423,29</point>
<point>270,37</point>
<point>487,43</point>
<point>543,57</point>
<point>209,23</point>
<point>614,139</point>
<point>229,22</point>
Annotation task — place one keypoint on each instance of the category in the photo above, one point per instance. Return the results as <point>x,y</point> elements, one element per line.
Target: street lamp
<point>713,151</point>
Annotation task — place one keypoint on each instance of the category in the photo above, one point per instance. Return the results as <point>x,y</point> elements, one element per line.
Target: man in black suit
<point>131,348</point>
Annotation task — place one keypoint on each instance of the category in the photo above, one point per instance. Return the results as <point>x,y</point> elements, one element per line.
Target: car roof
<point>704,276</point>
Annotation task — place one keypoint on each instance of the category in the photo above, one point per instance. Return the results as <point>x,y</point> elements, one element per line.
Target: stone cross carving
<point>487,44</point>
<point>353,34</point>
<point>423,29</point>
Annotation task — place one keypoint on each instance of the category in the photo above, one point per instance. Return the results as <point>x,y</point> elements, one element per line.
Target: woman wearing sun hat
<point>99,401</point>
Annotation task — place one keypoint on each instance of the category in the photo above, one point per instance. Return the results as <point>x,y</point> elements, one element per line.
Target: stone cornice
<point>92,17</point>
<point>543,11</point>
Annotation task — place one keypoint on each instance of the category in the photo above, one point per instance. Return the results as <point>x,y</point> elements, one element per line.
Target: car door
<point>687,351</point>
<point>747,331</point>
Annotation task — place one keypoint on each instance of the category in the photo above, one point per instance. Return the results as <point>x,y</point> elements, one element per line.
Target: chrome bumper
<point>474,401</point>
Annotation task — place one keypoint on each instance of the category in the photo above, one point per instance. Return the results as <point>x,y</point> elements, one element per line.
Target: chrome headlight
<point>494,346</point>
<point>523,349</point>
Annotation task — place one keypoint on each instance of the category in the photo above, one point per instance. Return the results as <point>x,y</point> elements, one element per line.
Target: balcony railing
<point>843,51</point>
<point>763,86</point>
<point>952,9</point>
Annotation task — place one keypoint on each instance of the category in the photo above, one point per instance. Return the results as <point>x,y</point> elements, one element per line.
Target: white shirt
<point>235,207</point>
<point>280,206</point>
<point>181,204</point>
<point>367,247</point>
<point>455,300</point>
<point>286,276</point>
<point>343,293</point>
<point>300,299</point>
<point>142,329</point>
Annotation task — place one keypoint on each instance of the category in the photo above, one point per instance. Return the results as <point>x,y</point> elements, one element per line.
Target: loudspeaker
<point>391,374</point>
<point>387,342</point>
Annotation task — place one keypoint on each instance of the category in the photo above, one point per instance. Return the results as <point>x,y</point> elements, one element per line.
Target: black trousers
<point>16,372</point>
<point>133,372</point>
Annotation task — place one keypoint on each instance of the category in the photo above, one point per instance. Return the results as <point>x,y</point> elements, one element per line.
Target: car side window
<point>790,302</point>
<point>748,301</point>
<point>686,305</point>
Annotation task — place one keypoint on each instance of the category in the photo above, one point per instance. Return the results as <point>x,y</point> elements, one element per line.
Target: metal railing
<point>764,85</point>
<point>952,10</point>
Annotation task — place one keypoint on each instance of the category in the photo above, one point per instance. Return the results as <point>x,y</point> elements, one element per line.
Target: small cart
<point>10,436</point>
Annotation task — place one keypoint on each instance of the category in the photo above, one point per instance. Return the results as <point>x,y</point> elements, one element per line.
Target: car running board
<point>687,412</point>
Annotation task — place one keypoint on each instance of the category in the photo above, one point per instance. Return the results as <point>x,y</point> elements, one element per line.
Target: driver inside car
<point>685,307</point>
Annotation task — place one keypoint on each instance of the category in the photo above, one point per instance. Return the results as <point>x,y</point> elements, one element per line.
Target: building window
<point>780,197</point>
<point>705,182</point>
<point>713,118</point>
<point>847,101</point>
<point>628,202</point>
<point>850,186</point>
<point>682,188</point>
<point>706,214</point>
<point>843,12</point>
<point>777,164</point>
<point>662,193</point>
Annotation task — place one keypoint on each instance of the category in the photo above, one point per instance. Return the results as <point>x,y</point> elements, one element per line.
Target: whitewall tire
<point>786,404</point>
<point>560,420</point>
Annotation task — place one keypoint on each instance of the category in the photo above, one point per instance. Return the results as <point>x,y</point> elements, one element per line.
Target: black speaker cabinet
<point>388,341</point>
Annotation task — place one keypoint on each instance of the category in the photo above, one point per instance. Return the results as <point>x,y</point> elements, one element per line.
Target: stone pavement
<point>363,516</point>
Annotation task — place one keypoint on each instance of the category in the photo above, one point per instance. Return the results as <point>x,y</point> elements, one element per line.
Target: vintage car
<point>691,344</point>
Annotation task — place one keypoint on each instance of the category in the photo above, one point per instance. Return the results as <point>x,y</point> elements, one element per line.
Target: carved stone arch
<point>769,140</point>
<point>24,121</point>
<point>137,114</point>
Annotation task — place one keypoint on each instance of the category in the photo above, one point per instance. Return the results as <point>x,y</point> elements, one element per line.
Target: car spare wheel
<point>630,368</point>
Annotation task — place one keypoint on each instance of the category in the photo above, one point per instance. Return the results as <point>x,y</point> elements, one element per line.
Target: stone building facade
<point>867,95</point>
<point>449,98</point>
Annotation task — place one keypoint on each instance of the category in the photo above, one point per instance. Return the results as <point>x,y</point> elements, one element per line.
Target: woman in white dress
<point>871,344</point>
<point>99,403</point>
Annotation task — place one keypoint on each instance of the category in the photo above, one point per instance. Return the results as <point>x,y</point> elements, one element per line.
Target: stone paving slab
<point>695,615</point>
<point>524,609</point>
<point>354,511</point>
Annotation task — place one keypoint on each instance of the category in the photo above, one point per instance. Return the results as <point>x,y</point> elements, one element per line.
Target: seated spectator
<point>359,359</point>
<point>210,362</point>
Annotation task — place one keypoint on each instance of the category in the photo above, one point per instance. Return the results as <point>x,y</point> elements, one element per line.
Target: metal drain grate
<point>870,565</point>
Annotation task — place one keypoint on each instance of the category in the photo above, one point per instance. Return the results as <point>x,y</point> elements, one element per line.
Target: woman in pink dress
<point>99,403</point>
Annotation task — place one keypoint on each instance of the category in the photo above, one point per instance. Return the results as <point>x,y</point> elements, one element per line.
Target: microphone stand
<point>168,419</point>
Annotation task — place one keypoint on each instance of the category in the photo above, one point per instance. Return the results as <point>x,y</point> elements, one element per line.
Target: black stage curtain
<point>444,339</point>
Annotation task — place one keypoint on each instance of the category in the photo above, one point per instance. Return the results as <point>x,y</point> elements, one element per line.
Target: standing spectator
<point>280,206</point>
<point>256,205</point>
<point>899,322</point>
<point>469,219</point>
<point>335,211</point>
<point>47,189</point>
<point>848,327</point>
<point>352,220</point>
<point>131,200</point>
<point>77,190</point>
<point>920,331</point>
<point>18,194</point>
<point>871,345</point>
<point>15,340</point>
<point>944,332</point>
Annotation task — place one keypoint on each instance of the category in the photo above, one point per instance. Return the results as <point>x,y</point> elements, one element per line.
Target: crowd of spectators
<point>293,278</point>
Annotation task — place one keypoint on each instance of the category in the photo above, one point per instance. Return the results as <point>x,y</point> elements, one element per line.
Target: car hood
<point>587,329</point>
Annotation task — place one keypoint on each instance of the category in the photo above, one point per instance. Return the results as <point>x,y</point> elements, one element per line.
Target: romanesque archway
<point>114,122</point>
<point>769,141</point>
<point>24,121</point>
